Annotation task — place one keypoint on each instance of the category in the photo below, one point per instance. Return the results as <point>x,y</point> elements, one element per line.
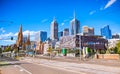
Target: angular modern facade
<point>54,30</point>
<point>88,31</point>
<point>106,32</point>
<point>74,41</point>
<point>41,36</point>
<point>75,26</point>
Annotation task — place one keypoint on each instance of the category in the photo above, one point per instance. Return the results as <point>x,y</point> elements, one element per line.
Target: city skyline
<point>38,15</point>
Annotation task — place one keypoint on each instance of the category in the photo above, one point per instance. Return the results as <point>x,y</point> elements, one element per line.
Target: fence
<point>107,56</point>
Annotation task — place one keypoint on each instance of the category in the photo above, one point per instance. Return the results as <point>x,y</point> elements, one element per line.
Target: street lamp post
<point>80,46</point>
<point>94,47</point>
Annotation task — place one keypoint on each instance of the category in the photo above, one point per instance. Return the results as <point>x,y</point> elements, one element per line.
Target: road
<point>30,65</point>
<point>26,66</point>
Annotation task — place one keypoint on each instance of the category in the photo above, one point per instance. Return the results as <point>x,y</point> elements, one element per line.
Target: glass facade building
<point>41,36</point>
<point>75,26</point>
<point>106,32</point>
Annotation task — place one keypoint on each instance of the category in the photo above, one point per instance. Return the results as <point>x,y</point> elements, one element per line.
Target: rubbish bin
<point>64,51</point>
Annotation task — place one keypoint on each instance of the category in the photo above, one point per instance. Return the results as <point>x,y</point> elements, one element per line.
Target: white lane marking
<point>72,65</point>
<point>15,65</point>
<point>63,68</point>
<point>22,69</point>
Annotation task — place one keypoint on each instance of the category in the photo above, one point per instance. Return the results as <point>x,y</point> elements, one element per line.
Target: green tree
<point>0,50</point>
<point>7,49</point>
<point>118,47</point>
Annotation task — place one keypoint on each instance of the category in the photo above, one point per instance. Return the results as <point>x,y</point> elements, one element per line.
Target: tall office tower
<point>41,36</point>
<point>60,34</point>
<point>106,32</point>
<point>66,32</point>
<point>88,31</point>
<point>54,30</point>
<point>75,26</point>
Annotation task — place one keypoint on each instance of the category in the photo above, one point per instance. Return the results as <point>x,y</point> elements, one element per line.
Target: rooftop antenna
<point>74,15</point>
<point>54,18</point>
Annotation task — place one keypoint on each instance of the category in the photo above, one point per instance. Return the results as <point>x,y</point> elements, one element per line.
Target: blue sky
<point>35,15</point>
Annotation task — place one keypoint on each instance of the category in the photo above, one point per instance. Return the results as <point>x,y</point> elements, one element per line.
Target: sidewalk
<point>5,61</point>
<point>114,63</point>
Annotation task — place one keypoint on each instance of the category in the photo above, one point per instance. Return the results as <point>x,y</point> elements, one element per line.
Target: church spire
<point>20,37</point>
<point>20,28</point>
<point>28,39</point>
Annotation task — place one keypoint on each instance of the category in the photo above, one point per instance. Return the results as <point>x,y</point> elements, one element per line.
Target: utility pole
<point>80,46</point>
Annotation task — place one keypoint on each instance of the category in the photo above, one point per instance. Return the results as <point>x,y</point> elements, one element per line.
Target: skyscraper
<point>60,34</point>
<point>88,31</point>
<point>106,32</point>
<point>54,30</point>
<point>66,32</point>
<point>75,26</point>
<point>41,36</point>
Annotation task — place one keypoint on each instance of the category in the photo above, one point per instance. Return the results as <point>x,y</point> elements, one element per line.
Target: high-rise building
<point>66,32</point>
<point>116,36</point>
<point>106,32</point>
<point>60,34</point>
<point>54,30</point>
<point>41,36</point>
<point>88,31</point>
<point>75,26</point>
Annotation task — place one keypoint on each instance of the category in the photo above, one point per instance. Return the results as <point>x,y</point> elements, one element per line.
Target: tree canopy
<point>118,47</point>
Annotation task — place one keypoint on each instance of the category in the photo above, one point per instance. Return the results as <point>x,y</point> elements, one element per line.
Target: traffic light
<point>11,38</point>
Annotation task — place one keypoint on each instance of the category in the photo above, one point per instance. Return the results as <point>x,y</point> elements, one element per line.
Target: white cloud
<point>92,12</point>
<point>2,30</point>
<point>16,34</point>
<point>62,24</point>
<point>110,2</point>
<point>11,41</point>
<point>31,32</point>
<point>6,35</point>
<point>44,20</point>
<point>10,34</point>
<point>32,38</point>
<point>66,20</point>
<point>6,38</point>
<point>102,8</point>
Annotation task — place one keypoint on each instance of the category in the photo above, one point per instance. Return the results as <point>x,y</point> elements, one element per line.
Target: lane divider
<point>23,69</point>
<point>63,68</point>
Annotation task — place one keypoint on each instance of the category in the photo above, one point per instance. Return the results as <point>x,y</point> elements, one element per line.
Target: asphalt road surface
<point>30,65</point>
